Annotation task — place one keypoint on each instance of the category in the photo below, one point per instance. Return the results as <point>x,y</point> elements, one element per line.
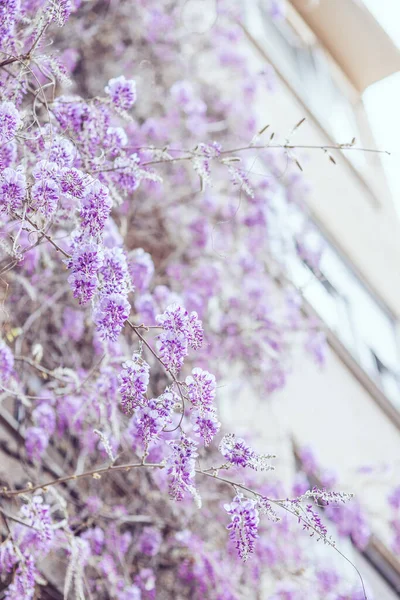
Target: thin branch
<point>95,473</point>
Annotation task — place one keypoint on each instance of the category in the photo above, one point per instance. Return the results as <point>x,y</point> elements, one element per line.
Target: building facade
<point>325,55</point>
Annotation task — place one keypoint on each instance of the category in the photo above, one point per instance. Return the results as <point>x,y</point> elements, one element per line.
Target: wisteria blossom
<point>243,527</point>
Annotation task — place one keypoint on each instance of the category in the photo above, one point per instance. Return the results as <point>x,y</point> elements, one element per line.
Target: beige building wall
<point>338,410</point>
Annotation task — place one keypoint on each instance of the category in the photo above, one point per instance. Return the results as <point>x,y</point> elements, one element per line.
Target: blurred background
<point>338,65</point>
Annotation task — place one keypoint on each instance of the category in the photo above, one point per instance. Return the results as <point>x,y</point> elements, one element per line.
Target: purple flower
<point>60,11</point>
<point>141,268</point>
<point>146,581</point>
<point>182,92</point>
<point>114,271</point>
<point>317,346</point>
<point>41,534</point>
<point>308,461</point>
<point>151,419</point>
<point>350,521</point>
<point>12,189</point>
<point>73,323</point>
<point>122,92</point>
<point>45,195</point>
<point>201,387</point>
<point>132,592</point>
<point>72,182</point>
<point>134,379</point>
<point>277,9</point>
<point>36,442</point>
<point>205,424</point>
<point>23,585</point>
<point>9,122</point>
<point>127,174</point>
<point>172,348</point>
<point>237,452</point>
<point>115,140</point>
<point>146,309</point>
<point>62,152</point>
<point>8,556</point>
<point>393,498</point>
<point>83,286</point>
<point>8,154</point>
<point>45,169</point>
<point>44,417</point>
<point>95,536</point>
<point>96,207</point>
<point>110,316</point>
<point>84,264</point>
<point>176,319</point>
<point>181,467</point>
<point>6,362</point>
<point>300,484</point>
<point>86,259</point>
<point>150,541</point>
<point>244,524</point>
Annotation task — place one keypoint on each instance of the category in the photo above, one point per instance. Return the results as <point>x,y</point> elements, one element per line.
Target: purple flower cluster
<point>23,584</point>
<point>9,122</point>
<point>244,524</point>
<point>150,541</point>
<point>8,556</point>
<point>96,207</point>
<point>394,498</point>
<point>84,264</point>
<point>127,173</point>
<point>202,162</point>
<point>312,522</point>
<point>96,538</point>
<point>316,344</point>
<point>133,379</point>
<point>38,436</point>
<point>181,467</point>
<point>36,442</point>
<point>45,195</point>
<point>36,536</point>
<point>201,388</point>
<point>6,362</point>
<point>12,190</point>
<point>62,151</point>
<point>8,154</point>
<point>44,417</point>
<point>114,272</point>
<point>60,11</point>
<point>95,270</point>
<point>152,418</point>
<point>72,182</point>
<point>141,268</point>
<point>110,315</point>
<point>351,521</point>
<point>236,452</point>
<point>173,349</point>
<point>181,330</point>
<point>122,92</point>
<point>40,535</point>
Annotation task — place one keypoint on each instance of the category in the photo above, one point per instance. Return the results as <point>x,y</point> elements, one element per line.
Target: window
<point>364,326</point>
<point>305,64</point>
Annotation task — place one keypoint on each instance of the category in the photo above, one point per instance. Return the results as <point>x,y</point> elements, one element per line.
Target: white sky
<point>382,100</point>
